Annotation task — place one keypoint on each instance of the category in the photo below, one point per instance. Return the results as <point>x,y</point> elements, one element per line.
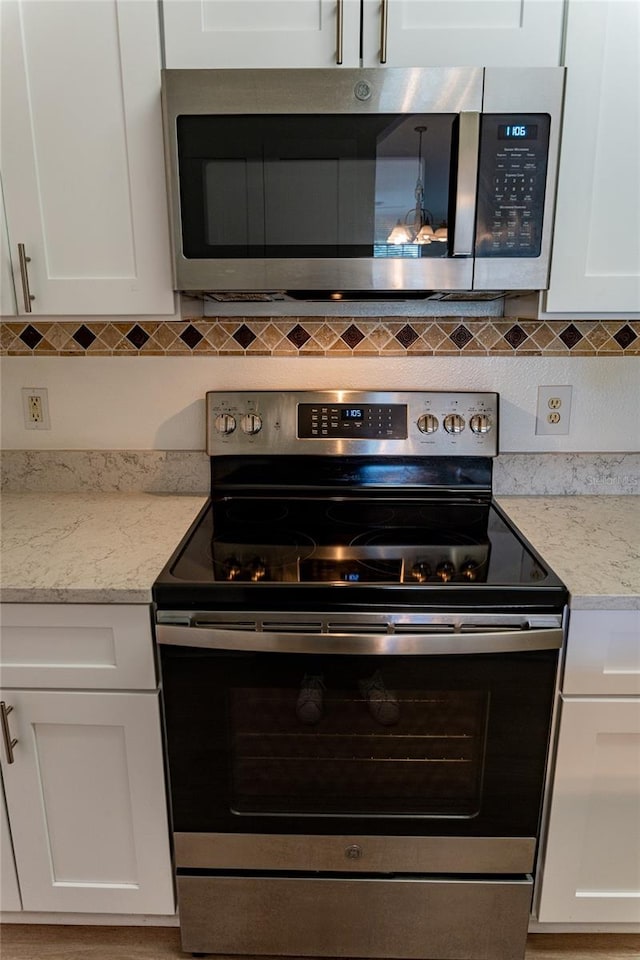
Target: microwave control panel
<point>514,150</point>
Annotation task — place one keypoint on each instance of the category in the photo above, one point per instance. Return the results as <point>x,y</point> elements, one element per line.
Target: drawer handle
<point>384,30</point>
<point>9,744</point>
<point>340,34</point>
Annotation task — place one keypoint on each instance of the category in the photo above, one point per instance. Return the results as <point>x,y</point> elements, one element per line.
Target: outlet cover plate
<point>553,413</point>
<point>41,393</point>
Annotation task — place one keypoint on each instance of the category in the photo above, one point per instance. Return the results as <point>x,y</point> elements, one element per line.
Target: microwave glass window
<point>315,186</point>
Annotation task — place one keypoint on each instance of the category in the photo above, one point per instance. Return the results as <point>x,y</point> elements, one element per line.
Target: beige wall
<point>146,403</point>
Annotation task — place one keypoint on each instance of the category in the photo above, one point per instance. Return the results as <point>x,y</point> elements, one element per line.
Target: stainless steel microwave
<point>362,179</point>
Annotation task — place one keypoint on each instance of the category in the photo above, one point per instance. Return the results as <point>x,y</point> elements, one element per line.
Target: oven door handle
<point>390,644</point>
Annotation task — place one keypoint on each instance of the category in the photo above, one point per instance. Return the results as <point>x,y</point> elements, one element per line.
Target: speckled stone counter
<point>592,543</point>
<point>109,547</point>
<point>88,547</point>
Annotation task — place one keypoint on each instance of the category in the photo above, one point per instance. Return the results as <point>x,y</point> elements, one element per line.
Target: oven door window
<point>314,186</point>
<point>287,743</point>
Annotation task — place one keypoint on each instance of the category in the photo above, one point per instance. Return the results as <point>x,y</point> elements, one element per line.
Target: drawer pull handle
<point>384,30</point>
<point>9,743</point>
<point>340,29</point>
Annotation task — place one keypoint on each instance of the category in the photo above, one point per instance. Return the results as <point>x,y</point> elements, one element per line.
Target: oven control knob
<point>445,571</point>
<point>480,423</point>
<point>421,571</point>
<point>427,423</point>
<point>251,423</point>
<point>454,423</point>
<point>225,423</point>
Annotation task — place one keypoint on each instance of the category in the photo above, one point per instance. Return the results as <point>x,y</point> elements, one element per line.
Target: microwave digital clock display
<point>518,131</point>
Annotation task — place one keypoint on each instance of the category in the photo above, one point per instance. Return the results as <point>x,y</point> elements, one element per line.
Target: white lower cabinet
<point>592,867</point>
<point>591,863</point>
<point>84,782</point>
<point>9,890</point>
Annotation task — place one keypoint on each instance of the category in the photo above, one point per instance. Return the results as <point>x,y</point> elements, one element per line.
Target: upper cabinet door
<point>82,156</point>
<point>596,249</point>
<point>261,33</point>
<point>456,33</point>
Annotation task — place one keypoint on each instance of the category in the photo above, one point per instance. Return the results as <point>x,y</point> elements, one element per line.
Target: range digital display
<point>352,413</point>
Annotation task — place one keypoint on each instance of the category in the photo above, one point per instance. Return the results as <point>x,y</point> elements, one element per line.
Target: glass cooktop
<point>355,541</point>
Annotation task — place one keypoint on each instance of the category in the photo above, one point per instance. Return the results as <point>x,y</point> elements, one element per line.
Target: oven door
<point>433,734</point>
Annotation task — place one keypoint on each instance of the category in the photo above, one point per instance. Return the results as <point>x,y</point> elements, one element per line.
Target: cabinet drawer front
<point>76,646</point>
<point>603,653</point>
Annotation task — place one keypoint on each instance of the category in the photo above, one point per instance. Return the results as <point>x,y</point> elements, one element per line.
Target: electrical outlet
<point>35,404</point>
<point>553,413</point>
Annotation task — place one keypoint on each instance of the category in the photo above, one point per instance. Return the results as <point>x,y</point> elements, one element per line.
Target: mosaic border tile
<point>320,337</point>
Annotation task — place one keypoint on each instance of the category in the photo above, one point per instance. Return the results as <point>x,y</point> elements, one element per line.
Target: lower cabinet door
<point>9,891</point>
<point>591,871</point>
<point>86,799</point>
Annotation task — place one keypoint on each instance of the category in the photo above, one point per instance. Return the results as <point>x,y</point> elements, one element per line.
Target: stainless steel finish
<point>454,423</point>
<point>533,90</point>
<point>251,423</point>
<point>396,635</point>
<point>225,424</point>
<point>379,854</point>
<point>251,92</point>
<point>400,917</point>
<point>427,423</point>
<point>340,31</point>
<point>466,188</point>
<point>278,413</point>
<point>480,423</point>
<point>394,90</point>
<point>24,274</point>
<point>384,30</point>
<point>323,274</point>
<point>9,743</point>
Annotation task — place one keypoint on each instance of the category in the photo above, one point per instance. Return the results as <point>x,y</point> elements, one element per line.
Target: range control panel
<point>350,422</point>
<point>514,150</point>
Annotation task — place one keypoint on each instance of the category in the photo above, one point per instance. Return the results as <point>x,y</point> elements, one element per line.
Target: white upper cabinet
<point>457,33</point>
<point>595,265</point>
<point>82,156</point>
<point>261,33</point>
<point>7,292</point>
<point>398,33</point>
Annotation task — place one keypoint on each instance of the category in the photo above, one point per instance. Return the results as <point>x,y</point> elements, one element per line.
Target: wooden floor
<point>31,942</point>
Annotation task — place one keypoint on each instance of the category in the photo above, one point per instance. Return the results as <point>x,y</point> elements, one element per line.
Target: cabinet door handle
<point>384,29</point>
<point>9,744</point>
<point>340,31</point>
<point>24,273</point>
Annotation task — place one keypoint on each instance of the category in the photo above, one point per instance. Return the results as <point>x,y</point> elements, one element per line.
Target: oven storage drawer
<point>399,917</point>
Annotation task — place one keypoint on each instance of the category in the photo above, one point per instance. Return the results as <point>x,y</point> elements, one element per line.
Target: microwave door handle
<point>467,184</point>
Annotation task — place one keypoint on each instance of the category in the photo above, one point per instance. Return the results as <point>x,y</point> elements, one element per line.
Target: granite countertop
<point>88,547</point>
<point>591,542</point>
<point>109,547</point>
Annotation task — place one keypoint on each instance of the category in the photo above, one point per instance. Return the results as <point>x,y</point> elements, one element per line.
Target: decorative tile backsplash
<point>320,336</point>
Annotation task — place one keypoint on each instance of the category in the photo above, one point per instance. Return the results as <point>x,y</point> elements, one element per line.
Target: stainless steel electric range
<point>359,655</point>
